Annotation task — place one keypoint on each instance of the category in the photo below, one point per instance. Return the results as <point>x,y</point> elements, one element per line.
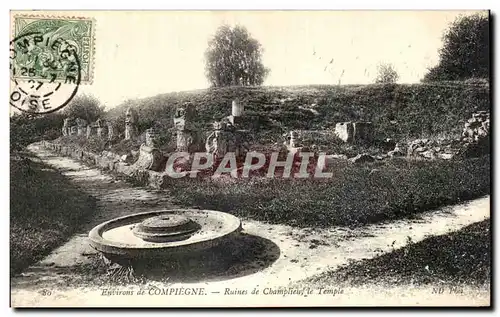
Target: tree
<point>465,53</point>
<point>26,128</point>
<point>86,107</point>
<point>233,58</point>
<point>386,74</point>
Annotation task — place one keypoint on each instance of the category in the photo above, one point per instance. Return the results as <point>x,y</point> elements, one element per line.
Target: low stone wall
<point>109,162</point>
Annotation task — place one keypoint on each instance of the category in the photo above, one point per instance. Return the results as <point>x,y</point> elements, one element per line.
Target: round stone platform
<point>163,232</point>
<point>166,228</point>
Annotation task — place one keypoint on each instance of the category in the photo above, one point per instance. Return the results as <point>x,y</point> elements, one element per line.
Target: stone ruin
<point>161,236</point>
<point>67,125</point>
<point>74,127</point>
<point>309,140</point>
<point>225,138</point>
<point>188,139</point>
<point>91,130</point>
<point>351,132</point>
<point>292,142</point>
<point>432,149</point>
<point>475,141</point>
<point>111,130</point>
<point>81,126</point>
<point>101,129</point>
<point>150,156</point>
<point>476,134</point>
<point>227,135</point>
<point>237,111</point>
<point>241,120</point>
<point>398,151</point>
<point>131,119</point>
<point>100,124</point>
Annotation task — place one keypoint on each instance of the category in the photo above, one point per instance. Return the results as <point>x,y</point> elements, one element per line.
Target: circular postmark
<point>45,72</point>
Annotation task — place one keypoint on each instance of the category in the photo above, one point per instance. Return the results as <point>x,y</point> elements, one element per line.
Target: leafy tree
<point>465,53</point>
<point>386,74</point>
<point>85,107</point>
<point>27,128</point>
<point>233,58</point>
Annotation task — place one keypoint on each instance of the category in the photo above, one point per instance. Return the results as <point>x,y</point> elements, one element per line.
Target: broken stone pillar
<point>90,131</point>
<point>151,138</point>
<point>354,131</point>
<point>293,139</point>
<point>111,130</point>
<point>81,126</point>
<point>66,129</point>
<point>100,128</point>
<point>81,131</point>
<point>345,131</point>
<point>73,130</point>
<point>226,139</point>
<point>236,116</point>
<point>150,157</point>
<point>130,124</point>
<point>188,139</point>
<point>237,109</point>
<point>293,142</point>
<point>217,142</point>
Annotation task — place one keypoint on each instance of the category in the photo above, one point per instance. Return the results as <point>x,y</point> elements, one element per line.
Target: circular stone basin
<point>163,232</point>
<point>166,228</point>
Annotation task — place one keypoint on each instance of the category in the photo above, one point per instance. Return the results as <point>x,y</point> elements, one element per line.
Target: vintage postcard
<point>250,158</point>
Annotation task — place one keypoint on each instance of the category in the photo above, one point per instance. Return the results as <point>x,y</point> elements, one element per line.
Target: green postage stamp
<point>77,32</point>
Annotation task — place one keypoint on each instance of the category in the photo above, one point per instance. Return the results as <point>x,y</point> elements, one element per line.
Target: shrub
<point>386,74</point>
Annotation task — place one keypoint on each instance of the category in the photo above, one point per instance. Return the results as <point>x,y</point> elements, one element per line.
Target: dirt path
<point>286,255</point>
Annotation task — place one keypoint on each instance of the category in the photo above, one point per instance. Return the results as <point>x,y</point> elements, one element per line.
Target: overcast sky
<point>140,54</point>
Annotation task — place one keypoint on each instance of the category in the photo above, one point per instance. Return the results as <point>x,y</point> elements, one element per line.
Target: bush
<point>386,74</point>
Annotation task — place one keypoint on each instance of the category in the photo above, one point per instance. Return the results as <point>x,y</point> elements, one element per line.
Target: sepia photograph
<point>181,159</point>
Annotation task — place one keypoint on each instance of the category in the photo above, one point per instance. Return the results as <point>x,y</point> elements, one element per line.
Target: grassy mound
<point>45,210</point>
<point>397,111</point>
<point>460,257</point>
<point>354,196</point>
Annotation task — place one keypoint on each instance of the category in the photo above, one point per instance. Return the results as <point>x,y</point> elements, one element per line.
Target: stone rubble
<point>228,136</point>
<point>475,141</point>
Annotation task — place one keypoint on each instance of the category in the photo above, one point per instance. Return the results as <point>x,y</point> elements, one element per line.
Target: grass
<point>397,111</point>
<point>45,210</point>
<point>462,257</point>
<point>401,112</point>
<point>356,195</point>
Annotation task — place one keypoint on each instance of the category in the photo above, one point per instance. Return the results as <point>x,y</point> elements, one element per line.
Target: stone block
<point>345,131</point>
